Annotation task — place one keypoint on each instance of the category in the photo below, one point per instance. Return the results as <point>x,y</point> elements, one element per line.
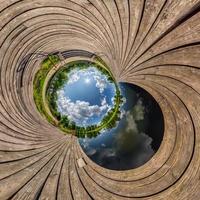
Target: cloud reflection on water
<point>128,145</point>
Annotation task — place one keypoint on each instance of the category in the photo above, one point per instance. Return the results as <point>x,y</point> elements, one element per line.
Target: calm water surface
<point>137,136</point>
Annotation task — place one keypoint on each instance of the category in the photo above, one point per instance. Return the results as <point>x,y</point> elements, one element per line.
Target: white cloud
<point>130,147</point>
<point>79,111</point>
<point>91,152</point>
<point>136,114</point>
<point>101,82</point>
<point>122,113</point>
<point>73,77</point>
<point>146,151</point>
<point>82,111</point>
<point>107,152</point>
<point>124,100</point>
<point>131,123</point>
<point>103,145</point>
<point>139,110</point>
<point>103,101</point>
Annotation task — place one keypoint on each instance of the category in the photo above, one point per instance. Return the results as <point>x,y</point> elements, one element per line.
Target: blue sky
<point>86,96</point>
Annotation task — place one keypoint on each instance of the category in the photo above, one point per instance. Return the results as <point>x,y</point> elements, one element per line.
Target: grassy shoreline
<point>38,84</point>
<point>109,120</point>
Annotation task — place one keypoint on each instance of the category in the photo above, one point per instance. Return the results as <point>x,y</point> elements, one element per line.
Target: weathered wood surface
<point>154,44</point>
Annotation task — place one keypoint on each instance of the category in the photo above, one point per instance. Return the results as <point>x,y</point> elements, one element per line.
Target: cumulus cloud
<point>134,138</point>
<point>133,116</point>
<point>139,111</point>
<point>131,123</point>
<point>82,111</point>
<point>103,145</point>
<point>91,152</point>
<point>79,111</point>
<point>124,100</point>
<point>122,113</point>
<point>101,82</point>
<point>73,77</point>
<point>129,148</point>
<point>145,150</point>
<point>108,152</point>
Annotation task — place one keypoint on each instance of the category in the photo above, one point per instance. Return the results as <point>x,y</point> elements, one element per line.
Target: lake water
<point>135,139</point>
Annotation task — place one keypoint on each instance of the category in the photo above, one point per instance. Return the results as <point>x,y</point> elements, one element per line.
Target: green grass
<point>109,120</point>
<point>38,84</point>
